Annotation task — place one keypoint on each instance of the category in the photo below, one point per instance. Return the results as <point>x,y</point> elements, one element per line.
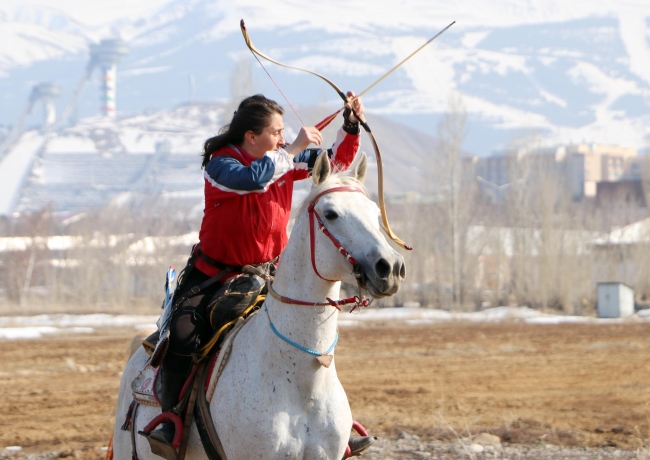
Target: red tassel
<point>129,415</point>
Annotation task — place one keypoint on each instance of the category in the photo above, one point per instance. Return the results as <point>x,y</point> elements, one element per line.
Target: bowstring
<point>276,85</point>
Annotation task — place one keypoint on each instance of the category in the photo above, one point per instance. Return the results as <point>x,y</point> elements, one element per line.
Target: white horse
<point>274,400</point>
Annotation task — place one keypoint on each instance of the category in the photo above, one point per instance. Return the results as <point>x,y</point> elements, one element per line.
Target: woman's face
<point>271,138</point>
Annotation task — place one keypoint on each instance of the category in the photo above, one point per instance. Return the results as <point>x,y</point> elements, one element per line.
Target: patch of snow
<point>33,327</point>
<point>15,167</point>
<point>548,97</point>
<point>633,33</point>
<point>71,144</point>
<point>14,333</point>
<point>75,321</point>
<point>420,316</point>
<point>471,39</point>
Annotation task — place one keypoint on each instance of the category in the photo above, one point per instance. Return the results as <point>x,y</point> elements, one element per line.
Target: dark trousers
<point>189,329</point>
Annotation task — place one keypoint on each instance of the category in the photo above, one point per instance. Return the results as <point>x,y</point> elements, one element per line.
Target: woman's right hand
<point>307,135</point>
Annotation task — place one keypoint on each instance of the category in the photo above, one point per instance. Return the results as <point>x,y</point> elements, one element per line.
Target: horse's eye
<point>331,215</point>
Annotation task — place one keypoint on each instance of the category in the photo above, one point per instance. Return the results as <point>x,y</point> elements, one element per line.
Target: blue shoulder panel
<point>227,171</point>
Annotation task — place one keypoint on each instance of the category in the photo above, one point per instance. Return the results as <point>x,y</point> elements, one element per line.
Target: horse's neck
<point>311,327</point>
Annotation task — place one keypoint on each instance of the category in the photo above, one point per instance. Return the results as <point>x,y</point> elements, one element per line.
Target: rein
<point>356,300</point>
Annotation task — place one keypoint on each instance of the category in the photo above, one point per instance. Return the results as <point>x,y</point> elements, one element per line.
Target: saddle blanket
<point>148,383</point>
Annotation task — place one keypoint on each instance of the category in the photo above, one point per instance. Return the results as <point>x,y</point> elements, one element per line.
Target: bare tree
<point>451,133</point>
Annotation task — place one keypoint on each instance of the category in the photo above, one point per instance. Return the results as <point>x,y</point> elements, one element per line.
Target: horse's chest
<point>284,422</point>
<point>275,402</point>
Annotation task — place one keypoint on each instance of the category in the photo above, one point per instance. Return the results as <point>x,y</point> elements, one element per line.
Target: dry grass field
<point>584,385</point>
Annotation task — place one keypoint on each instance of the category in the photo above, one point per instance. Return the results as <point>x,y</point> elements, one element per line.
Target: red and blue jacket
<point>248,201</point>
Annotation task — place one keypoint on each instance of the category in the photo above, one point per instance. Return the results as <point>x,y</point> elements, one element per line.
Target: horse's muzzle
<point>383,276</point>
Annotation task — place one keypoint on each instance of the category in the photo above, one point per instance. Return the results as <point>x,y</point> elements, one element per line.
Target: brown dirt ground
<point>561,384</point>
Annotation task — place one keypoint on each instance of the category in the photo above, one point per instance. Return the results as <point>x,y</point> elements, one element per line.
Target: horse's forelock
<point>334,180</point>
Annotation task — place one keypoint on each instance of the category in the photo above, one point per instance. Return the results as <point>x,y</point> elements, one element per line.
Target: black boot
<point>160,441</point>
<point>360,444</point>
<point>172,383</point>
<point>164,433</point>
<point>186,330</point>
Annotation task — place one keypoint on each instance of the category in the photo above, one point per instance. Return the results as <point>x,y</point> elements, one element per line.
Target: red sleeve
<point>344,150</point>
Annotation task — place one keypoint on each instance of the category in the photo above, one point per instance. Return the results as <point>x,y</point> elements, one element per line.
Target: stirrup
<point>158,447</point>
<point>358,445</point>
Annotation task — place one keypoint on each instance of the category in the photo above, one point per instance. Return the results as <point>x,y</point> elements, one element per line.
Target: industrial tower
<point>106,56</point>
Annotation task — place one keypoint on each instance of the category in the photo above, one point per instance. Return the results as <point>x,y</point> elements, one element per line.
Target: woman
<point>249,172</point>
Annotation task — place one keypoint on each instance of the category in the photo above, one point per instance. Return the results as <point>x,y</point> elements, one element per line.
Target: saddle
<point>230,302</point>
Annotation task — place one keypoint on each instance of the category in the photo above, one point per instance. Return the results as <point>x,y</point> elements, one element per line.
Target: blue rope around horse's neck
<point>298,346</point>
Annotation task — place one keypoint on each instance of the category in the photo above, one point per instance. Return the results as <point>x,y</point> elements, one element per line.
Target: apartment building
<point>589,164</point>
<point>578,167</point>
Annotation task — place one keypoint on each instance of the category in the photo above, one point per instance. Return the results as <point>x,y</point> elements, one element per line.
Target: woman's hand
<point>357,107</point>
<point>307,135</point>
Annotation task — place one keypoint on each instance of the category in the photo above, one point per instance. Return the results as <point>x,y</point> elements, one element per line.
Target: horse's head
<point>350,245</point>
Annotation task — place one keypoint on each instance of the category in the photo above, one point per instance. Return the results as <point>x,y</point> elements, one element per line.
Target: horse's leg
<point>330,419</point>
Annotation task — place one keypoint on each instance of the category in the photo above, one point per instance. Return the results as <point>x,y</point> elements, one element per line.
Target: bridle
<point>358,300</point>
<point>312,237</point>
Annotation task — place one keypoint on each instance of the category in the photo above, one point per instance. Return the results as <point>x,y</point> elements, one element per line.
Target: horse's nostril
<point>382,268</point>
<point>402,270</point>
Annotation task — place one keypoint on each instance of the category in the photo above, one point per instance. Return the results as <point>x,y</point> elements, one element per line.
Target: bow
<point>380,172</point>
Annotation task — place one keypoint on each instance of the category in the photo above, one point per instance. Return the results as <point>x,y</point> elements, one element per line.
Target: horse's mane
<point>334,180</point>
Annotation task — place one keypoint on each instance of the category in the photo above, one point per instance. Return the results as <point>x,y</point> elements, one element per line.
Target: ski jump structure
<point>103,56</point>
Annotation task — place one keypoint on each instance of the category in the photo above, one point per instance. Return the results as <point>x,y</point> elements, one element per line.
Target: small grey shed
<point>615,300</point>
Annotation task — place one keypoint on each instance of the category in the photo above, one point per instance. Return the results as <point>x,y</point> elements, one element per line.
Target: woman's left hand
<point>357,107</point>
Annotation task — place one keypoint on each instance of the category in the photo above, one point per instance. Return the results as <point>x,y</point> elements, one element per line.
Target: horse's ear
<point>359,167</point>
<point>321,170</point>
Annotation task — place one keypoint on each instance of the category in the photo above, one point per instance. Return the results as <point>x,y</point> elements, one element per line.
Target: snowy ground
<point>31,327</point>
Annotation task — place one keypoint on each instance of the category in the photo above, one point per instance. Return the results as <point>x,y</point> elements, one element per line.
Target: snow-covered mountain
<point>574,70</point>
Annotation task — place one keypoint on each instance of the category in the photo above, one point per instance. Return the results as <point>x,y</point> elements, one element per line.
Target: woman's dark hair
<point>253,114</point>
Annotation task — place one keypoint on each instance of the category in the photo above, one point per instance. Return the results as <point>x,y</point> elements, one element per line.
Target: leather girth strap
<point>204,422</point>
